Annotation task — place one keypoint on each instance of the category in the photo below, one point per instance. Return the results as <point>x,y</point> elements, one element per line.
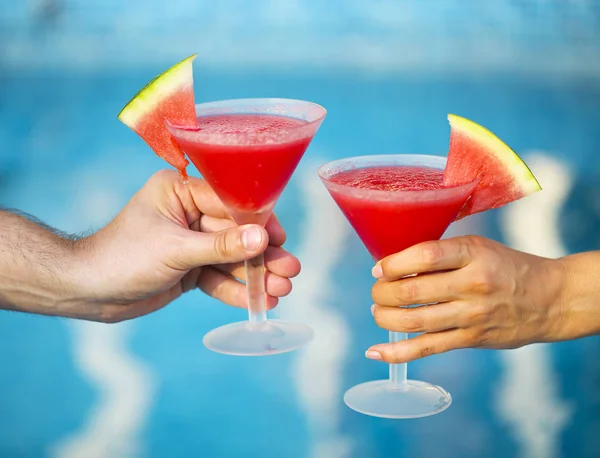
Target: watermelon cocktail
<point>247,156</point>
<point>396,201</point>
<point>247,150</point>
<point>393,202</point>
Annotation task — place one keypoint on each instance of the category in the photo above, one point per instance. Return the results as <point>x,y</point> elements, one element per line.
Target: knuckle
<point>163,176</point>
<point>407,292</point>
<point>427,350</point>
<point>411,324</point>
<point>431,253</point>
<point>482,282</point>
<point>108,316</point>
<point>397,320</point>
<point>474,339</point>
<point>477,314</point>
<point>472,244</point>
<point>222,245</point>
<point>476,240</point>
<point>478,338</point>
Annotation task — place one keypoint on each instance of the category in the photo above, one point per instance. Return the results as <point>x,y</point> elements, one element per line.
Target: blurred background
<point>388,72</point>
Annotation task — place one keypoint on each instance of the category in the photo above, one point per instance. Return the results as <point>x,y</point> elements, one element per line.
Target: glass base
<point>412,399</point>
<point>260,339</point>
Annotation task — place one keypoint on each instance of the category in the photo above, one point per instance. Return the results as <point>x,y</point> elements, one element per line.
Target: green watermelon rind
<point>151,95</point>
<point>513,164</point>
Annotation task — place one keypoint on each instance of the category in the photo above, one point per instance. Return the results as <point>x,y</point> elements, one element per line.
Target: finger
<point>282,263</point>
<point>195,249</point>
<point>275,285</point>
<point>421,346</point>
<point>209,204</point>
<point>277,236</point>
<point>429,256</point>
<point>421,289</point>
<point>206,200</point>
<point>226,289</point>
<point>277,261</point>
<point>213,224</point>
<point>427,318</point>
<point>276,233</point>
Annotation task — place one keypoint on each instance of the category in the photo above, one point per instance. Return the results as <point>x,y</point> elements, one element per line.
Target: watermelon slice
<point>170,97</point>
<point>476,153</point>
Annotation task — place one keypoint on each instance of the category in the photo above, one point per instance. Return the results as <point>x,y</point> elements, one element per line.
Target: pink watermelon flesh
<point>503,176</point>
<point>178,109</point>
<point>168,97</point>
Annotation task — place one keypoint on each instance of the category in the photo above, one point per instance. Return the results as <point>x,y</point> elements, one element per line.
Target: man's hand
<point>482,294</point>
<point>169,239</point>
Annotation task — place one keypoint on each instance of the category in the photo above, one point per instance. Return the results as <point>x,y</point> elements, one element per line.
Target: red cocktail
<point>394,202</point>
<point>247,150</point>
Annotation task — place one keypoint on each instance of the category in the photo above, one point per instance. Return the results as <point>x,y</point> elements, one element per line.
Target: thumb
<point>231,245</point>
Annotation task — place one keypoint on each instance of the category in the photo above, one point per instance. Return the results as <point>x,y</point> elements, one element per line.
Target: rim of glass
<point>310,112</point>
<point>329,169</point>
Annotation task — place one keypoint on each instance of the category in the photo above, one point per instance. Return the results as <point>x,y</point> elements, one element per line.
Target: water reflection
<point>181,399</point>
<point>319,368</point>
<point>529,397</point>
<point>580,221</point>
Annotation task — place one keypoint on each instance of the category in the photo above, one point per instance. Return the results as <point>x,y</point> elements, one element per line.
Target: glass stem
<point>398,371</point>
<point>255,290</point>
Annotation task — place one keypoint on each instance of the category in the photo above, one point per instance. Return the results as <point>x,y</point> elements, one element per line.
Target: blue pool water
<point>149,388</point>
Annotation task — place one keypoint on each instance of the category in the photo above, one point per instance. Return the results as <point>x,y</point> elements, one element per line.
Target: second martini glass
<point>247,150</point>
<point>389,221</point>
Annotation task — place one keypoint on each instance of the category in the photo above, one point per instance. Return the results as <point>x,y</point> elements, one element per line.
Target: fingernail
<point>373,309</point>
<point>372,354</point>
<point>251,238</point>
<point>377,271</point>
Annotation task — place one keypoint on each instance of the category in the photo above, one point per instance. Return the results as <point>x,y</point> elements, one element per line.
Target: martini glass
<point>388,222</point>
<point>248,167</point>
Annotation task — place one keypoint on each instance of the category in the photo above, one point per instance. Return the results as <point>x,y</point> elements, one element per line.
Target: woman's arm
<point>482,295</point>
<point>581,297</point>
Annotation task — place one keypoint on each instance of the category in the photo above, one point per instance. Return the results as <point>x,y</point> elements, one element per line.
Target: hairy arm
<point>37,267</point>
<point>170,238</point>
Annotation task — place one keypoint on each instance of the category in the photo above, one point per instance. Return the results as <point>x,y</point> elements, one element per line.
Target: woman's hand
<point>481,293</point>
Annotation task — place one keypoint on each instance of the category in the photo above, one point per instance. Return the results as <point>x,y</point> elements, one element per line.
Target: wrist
<point>70,289</point>
<point>83,286</point>
<point>83,277</point>
<point>580,295</point>
<point>63,287</point>
<point>97,275</point>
